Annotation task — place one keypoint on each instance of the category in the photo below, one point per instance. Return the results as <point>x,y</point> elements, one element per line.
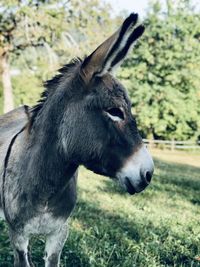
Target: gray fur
<point>41,149</point>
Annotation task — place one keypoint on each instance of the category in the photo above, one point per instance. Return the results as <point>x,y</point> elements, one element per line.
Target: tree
<point>38,36</point>
<point>163,74</point>
<point>24,24</point>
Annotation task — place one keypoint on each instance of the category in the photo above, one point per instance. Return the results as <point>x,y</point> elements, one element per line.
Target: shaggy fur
<point>42,147</point>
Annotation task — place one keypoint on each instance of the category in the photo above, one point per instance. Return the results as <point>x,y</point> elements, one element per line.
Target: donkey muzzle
<point>137,172</point>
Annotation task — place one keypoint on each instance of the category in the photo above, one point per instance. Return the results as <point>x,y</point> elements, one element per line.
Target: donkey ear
<point>112,52</point>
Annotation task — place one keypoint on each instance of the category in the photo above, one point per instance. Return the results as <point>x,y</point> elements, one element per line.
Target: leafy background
<point>161,74</point>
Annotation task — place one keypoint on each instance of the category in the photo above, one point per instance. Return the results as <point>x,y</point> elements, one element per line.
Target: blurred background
<point>159,227</point>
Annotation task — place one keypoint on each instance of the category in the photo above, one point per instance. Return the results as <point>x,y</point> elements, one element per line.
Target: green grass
<point>159,227</point>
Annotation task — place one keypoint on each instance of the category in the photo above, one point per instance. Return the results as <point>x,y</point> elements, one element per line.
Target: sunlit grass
<point>159,227</point>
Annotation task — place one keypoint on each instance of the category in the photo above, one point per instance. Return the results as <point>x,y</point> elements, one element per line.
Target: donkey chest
<point>43,224</point>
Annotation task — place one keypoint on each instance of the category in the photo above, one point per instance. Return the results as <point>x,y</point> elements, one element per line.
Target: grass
<point>183,157</point>
<point>159,227</point>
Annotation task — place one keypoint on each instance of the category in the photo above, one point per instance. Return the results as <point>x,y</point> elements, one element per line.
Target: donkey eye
<point>116,114</point>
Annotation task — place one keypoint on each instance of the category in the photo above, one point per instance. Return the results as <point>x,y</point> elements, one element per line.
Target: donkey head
<point>102,133</point>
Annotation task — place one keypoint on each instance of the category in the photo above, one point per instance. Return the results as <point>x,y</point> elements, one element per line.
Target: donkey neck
<point>50,168</point>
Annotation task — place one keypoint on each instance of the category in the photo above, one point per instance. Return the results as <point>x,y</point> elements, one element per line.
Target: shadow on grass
<point>99,238</point>
<point>179,179</point>
<point>107,239</point>
<point>6,254</point>
<point>174,179</point>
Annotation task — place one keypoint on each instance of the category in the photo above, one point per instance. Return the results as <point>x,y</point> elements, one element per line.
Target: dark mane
<point>51,85</point>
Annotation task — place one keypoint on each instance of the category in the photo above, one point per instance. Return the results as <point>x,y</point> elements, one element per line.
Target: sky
<point>138,6</point>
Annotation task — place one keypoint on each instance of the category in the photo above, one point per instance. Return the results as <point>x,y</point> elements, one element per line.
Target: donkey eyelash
<point>116,114</point>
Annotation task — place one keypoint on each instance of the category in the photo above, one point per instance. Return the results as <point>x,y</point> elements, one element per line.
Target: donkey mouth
<point>130,189</point>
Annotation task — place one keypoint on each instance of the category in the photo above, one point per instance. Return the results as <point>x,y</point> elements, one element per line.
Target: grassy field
<point>159,227</point>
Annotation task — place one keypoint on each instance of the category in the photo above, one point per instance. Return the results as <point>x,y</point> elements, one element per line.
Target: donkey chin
<point>136,173</point>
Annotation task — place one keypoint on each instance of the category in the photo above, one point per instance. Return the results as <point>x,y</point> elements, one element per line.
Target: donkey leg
<point>21,253</point>
<point>54,245</point>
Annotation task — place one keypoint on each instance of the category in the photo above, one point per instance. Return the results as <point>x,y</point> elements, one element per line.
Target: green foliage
<point>162,75</point>
<point>27,90</point>
<point>40,36</point>
<point>156,228</point>
<point>29,23</point>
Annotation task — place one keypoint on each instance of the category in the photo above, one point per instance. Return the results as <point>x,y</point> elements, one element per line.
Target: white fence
<point>173,145</point>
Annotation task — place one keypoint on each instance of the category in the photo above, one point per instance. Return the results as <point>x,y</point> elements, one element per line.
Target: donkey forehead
<point>110,89</point>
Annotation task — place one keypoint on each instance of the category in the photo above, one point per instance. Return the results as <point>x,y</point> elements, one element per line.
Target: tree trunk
<point>6,81</point>
<point>169,7</point>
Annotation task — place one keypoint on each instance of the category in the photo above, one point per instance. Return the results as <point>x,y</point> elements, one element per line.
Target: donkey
<point>83,118</point>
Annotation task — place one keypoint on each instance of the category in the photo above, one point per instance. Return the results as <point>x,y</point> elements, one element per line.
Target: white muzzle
<point>137,171</point>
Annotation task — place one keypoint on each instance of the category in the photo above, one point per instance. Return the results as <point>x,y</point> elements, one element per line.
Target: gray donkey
<point>83,118</point>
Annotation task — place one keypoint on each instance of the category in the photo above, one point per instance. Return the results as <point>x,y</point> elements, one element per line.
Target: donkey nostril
<point>148,176</point>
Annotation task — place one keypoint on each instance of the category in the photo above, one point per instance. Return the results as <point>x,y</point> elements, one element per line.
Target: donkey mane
<point>51,85</point>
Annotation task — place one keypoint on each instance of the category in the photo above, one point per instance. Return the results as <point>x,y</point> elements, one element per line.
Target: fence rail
<point>172,144</point>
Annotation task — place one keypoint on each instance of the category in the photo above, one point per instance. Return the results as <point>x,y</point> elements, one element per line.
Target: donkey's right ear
<point>112,51</point>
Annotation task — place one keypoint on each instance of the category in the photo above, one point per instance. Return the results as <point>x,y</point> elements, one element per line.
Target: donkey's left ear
<point>113,51</point>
